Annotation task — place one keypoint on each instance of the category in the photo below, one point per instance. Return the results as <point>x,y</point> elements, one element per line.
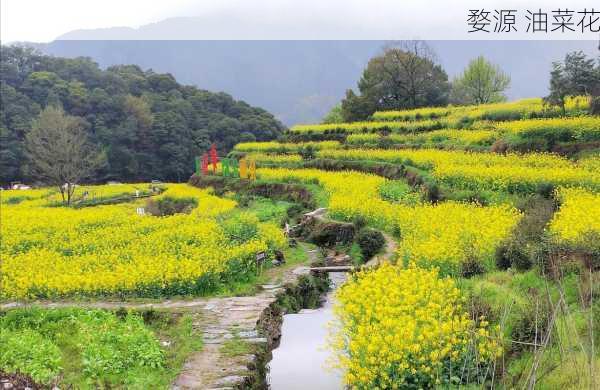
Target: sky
<point>51,18</point>
<point>45,20</point>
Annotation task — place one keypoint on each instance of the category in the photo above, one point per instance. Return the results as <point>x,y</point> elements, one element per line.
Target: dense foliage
<point>150,126</point>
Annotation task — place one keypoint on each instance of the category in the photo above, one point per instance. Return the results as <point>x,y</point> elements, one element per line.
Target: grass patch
<point>267,210</point>
<point>181,340</point>
<point>236,347</point>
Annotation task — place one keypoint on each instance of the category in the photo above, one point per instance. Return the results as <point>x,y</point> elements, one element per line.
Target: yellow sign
<point>252,170</point>
<point>243,169</point>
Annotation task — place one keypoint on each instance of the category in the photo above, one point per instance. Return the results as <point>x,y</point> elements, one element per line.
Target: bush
<point>359,222</point>
<point>513,254</point>
<point>307,152</point>
<point>546,190</point>
<point>370,242</point>
<point>471,267</point>
<point>433,193</point>
<point>169,206</point>
<point>531,324</point>
<point>332,233</point>
<point>295,210</point>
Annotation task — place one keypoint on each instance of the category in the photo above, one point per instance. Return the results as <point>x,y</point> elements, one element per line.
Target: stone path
<point>246,319</point>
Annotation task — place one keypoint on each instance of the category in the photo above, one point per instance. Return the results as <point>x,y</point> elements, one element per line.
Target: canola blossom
<point>367,126</point>
<point>583,129</point>
<point>577,222</point>
<point>450,137</point>
<point>510,172</point>
<point>519,109</point>
<point>51,195</point>
<point>269,158</point>
<point>408,328</point>
<point>276,147</point>
<point>414,114</point>
<point>108,250</point>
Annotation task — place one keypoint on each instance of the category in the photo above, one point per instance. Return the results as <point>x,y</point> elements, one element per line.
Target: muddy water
<point>300,361</point>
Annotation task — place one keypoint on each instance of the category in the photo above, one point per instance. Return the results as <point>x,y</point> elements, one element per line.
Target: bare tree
<point>59,151</point>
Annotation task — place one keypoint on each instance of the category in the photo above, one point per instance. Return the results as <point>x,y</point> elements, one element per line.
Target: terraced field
<point>494,208</point>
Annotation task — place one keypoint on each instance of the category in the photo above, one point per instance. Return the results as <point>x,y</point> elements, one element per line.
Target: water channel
<point>300,361</point>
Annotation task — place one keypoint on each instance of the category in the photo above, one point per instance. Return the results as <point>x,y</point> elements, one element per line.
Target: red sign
<point>205,164</point>
<point>213,157</point>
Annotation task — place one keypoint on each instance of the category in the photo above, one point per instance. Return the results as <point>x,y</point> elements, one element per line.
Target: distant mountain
<point>298,81</point>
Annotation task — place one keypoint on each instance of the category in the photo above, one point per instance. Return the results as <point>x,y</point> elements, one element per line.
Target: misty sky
<point>44,21</point>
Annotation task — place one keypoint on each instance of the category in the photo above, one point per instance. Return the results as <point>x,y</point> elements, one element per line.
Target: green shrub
<point>359,222</point>
<point>471,267</point>
<point>332,233</point>
<point>531,325</point>
<point>295,210</point>
<point>513,254</point>
<point>307,152</point>
<point>546,190</point>
<point>433,193</point>
<point>370,241</point>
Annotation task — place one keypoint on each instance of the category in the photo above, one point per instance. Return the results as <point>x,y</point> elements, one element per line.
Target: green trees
<point>481,82</point>
<point>149,125</point>
<point>576,75</point>
<point>404,76</point>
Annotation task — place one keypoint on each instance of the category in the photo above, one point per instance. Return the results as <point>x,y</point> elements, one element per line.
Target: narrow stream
<point>300,361</point>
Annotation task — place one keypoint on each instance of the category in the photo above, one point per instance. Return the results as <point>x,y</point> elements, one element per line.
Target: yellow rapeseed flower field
<point>510,172</point>
<point>60,251</point>
<point>408,328</point>
<point>451,136</point>
<point>520,109</point>
<point>278,147</point>
<point>577,222</point>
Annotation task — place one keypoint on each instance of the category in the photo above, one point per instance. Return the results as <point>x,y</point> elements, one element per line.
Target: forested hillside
<point>148,124</point>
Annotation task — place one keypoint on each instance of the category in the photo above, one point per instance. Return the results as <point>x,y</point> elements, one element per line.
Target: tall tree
<point>481,82</point>
<point>59,152</point>
<point>406,75</point>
